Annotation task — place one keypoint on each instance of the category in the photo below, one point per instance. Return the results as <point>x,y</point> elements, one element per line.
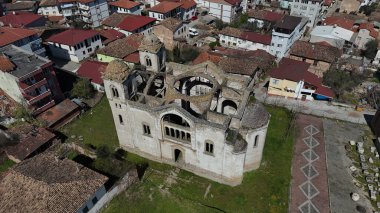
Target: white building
<point>49,8</point>
<point>165,10</point>
<point>125,6</point>
<point>74,44</point>
<point>136,24</point>
<point>367,32</point>
<point>194,117</point>
<point>237,38</point>
<point>334,35</point>
<point>311,9</point>
<point>285,32</point>
<point>93,12</point>
<point>225,10</point>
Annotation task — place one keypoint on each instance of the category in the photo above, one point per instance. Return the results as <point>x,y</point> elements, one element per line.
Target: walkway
<point>317,108</point>
<point>309,188</point>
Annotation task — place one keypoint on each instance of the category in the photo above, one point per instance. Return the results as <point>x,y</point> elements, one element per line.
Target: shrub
<point>103,152</point>
<point>371,49</point>
<point>82,89</point>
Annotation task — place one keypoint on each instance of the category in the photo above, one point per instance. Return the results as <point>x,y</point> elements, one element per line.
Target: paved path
<point>309,188</point>
<point>317,108</point>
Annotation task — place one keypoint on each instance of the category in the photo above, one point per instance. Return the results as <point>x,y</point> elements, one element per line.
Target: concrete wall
<point>9,84</point>
<point>309,9</point>
<point>89,204</point>
<point>233,42</point>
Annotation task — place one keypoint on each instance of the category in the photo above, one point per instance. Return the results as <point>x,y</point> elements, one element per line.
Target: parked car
<point>193,32</point>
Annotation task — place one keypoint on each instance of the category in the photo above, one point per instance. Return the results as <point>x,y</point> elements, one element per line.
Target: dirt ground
<point>337,134</point>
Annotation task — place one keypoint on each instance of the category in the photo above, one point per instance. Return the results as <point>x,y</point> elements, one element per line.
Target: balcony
<point>33,99</point>
<point>27,88</point>
<point>44,107</point>
<point>177,132</point>
<point>83,7</point>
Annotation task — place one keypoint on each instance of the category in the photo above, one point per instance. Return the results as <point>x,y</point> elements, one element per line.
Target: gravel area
<point>337,135</point>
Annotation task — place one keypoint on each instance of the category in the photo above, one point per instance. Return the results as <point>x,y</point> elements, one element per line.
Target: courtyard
<point>165,188</point>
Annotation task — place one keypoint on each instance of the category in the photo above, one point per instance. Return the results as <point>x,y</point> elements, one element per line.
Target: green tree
<point>103,152</point>
<point>371,49</point>
<point>342,81</point>
<point>23,113</point>
<point>82,89</point>
<point>219,24</point>
<point>212,45</point>
<point>189,54</point>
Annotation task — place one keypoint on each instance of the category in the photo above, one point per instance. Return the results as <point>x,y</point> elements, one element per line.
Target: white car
<point>193,32</point>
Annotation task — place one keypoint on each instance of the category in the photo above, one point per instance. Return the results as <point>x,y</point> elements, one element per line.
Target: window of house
<point>94,200</point>
<point>84,52</point>
<point>315,63</point>
<point>121,120</point>
<point>256,141</point>
<point>146,129</point>
<point>148,62</point>
<point>115,92</point>
<point>85,210</point>
<point>279,45</point>
<point>209,148</point>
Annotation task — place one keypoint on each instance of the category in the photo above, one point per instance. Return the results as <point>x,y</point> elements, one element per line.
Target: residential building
<point>113,20</point>
<point>93,70</point>
<point>136,24</point>
<point>339,21</point>
<point>264,17</point>
<point>61,185</point>
<point>25,141</point>
<point>22,20</point>
<point>26,39</point>
<point>164,10</point>
<point>60,114</point>
<point>49,8</point>
<point>187,9</point>
<point>125,6</point>
<point>179,119</point>
<point>93,12</point>
<point>285,32</point>
<point>109,35</point>
<point>171,30</point>
<point>129,53</point>
<point>367,32</point>
<point>310,9</point>
<point>319,56</point>
<point>225,10</point>
<point>237,38</point>
<point>333,35</point>
<point>74,44</point>
<point>28,79</point>
<point>292,79</point>
<point>21,6</point>
<point>69,9</point>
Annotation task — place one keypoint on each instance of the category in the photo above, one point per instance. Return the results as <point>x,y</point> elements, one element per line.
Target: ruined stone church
<point>198,118</point>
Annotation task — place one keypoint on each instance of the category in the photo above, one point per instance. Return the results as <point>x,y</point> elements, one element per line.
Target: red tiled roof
<point>207,56</point>
<point>72,37</point>
<point>265,15</point>
<point>56,18</point>
<point>370,27</point>
<point>340,22</point>
<point>327,2</point>
<point>132,23</point>
<point>111,35</point>
<point>19,19</point>
<point>294,70</point>
<point>325,91</point>
<point>6,65</point>
<point>92,70</point>
<point>256,37</point>
<point>187,4</point>
<point>165,7</point>
<point>59,114</point>
<point>125,4</point>
<point>133,58</point>
<point>316,51</point>
<point>233,2</point>
<point>9,35</point>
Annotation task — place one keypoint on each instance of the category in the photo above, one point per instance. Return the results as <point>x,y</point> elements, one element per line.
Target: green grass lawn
<point>96,126</point>
<point>6,165</point>
<point>263,190</point>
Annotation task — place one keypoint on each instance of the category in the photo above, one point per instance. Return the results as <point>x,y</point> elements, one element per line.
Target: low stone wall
<point>129,178</point>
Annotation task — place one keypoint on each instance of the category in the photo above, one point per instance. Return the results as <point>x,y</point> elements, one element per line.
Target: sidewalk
<point>317,108</point>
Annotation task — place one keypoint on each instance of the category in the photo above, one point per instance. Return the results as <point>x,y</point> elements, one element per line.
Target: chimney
<point>335,25</point>
<point>14,12</point>
<point>312,46</point>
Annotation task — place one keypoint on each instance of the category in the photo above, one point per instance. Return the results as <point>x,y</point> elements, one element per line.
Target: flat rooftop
<point>24,62</point>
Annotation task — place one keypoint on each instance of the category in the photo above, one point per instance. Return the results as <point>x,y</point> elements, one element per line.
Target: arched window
<point>209,147</point>
<point>148,61</point>
<point>256,141</point>
<point>121,120</point>
<point>115,92</point>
